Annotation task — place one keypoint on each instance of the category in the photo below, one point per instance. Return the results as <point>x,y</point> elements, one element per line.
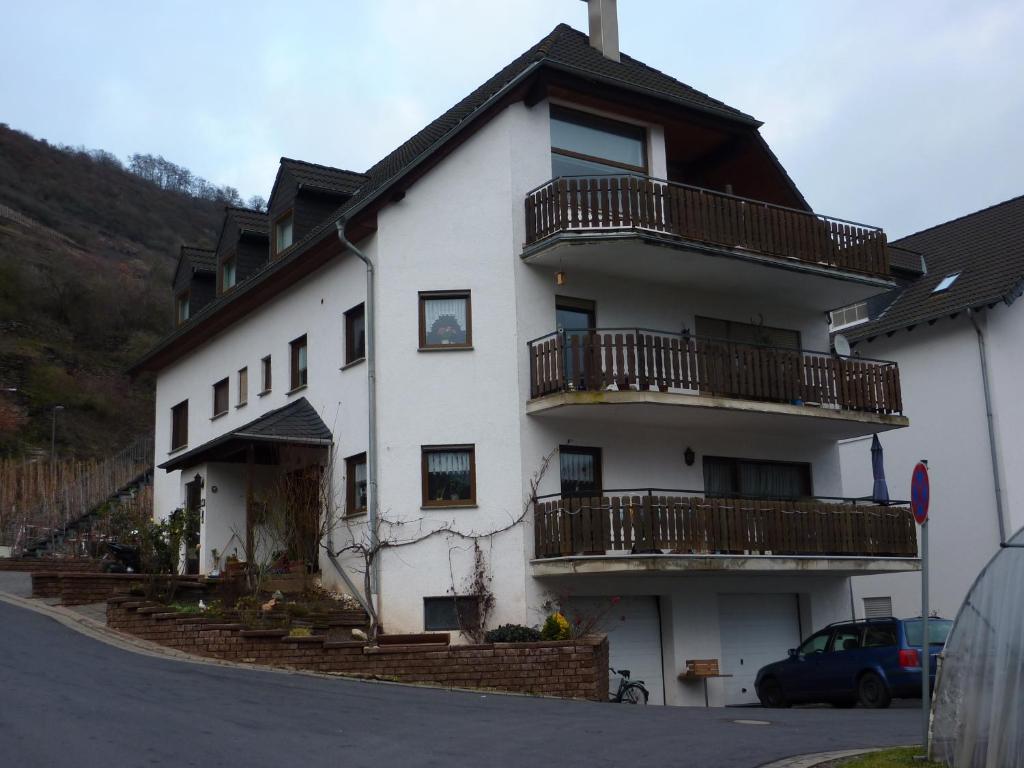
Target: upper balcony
<point>635,375</point>
<point>657,530</point>
<point>616,223</point>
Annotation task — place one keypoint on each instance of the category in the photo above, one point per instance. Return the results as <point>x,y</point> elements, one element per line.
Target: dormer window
<point>283,233</point>
<point>946,283</point>
<point>228,273</point>
<point>587,145</point>
<point>181,307</point>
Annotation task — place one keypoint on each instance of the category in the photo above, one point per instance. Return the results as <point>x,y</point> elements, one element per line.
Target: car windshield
<point>938,631</point>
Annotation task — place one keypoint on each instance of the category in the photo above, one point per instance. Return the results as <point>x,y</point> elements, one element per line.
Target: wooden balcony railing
<point>642,359</point>
<point>662,521</point>
<point>610,203</point>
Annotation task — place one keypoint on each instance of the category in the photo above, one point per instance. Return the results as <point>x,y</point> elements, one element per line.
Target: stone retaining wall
<point>50,565</point>
<point>86,588</point>
<point>576,669</point>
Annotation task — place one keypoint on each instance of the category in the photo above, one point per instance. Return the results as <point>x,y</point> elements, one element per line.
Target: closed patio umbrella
<point>880,492</point>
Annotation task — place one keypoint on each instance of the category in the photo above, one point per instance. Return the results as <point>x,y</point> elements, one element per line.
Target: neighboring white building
<point>695,468</point>
<point>964,279</point>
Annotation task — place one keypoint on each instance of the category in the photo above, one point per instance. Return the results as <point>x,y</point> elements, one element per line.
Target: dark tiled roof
<point>297,423</point>
<point>323,177</point>
<point>254,222</point>
<point>986,248</point>
<point>201,259</point>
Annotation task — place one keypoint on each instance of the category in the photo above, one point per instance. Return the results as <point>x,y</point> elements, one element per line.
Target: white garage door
<point>755,630</point>
<point>634,640</point>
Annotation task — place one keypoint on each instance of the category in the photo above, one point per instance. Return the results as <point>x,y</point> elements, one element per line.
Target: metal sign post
<point>920,495</point>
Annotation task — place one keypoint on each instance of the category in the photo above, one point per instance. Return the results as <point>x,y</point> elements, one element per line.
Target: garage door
<point>634,640</point>
<point>755,630</point>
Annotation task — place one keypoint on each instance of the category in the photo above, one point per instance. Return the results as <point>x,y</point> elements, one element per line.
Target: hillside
<point>87,249</point>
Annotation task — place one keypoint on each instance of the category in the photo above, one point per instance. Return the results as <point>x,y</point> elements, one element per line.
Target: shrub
<point>300,632</point>
<point>556,627</point>
<point>512,633</point>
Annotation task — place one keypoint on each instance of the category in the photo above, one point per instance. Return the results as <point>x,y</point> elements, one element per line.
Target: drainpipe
<point>371,385</point>
<point>993,450</point>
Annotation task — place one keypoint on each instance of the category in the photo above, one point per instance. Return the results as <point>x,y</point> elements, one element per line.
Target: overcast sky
<point>900,114</point>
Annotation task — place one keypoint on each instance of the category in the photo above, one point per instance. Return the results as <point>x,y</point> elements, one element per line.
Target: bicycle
<point>630,691</point>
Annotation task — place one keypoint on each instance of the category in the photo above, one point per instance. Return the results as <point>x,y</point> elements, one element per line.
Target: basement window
<point>450,612</point>
<point>946,283</point>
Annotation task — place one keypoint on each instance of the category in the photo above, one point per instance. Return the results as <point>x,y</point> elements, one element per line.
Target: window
<point>446,321</point>
<point>728,477</point>
<point>747,333</point>
<point>300,373</point>
<point>847,316</point>
<point>220,398</point>
<point>266,371</point>
<point>450,612</point>
<point>945,283</point>
<point>243,386</point>
<point>587,145</point>
<point>815,644</point>
<point>228,270</point>
<point>179,425</point>
<point>879,635</point>
<point>580,470</point>
<point>449,475</point>
<point>182,307</point>
<point>355,484</point>
<point>355,334</point>
<point>283,232</point>
<point>877,607</point>
<point>846,638</point>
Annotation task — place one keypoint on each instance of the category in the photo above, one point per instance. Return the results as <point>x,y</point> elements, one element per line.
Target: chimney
<point>604,27</point>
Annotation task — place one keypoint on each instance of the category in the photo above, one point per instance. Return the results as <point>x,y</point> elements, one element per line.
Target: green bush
<point>556,627</point>
<point>512,633</point>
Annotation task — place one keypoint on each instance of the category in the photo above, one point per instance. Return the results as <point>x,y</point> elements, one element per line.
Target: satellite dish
<point>841,345</point>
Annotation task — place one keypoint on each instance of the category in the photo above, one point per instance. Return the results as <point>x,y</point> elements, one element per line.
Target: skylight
<point>945,283</point>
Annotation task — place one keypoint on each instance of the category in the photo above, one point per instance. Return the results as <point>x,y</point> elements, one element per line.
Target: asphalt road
<point>69,700</point>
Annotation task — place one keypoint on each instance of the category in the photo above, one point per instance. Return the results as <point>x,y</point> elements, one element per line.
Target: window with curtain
<point>580,470</point>
<point>449,476</point>
<point>445,320</point>
<point>228,273</point>
<point>283,233</point>
<point>730,477</point>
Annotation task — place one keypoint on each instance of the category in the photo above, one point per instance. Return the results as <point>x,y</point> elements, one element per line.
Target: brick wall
<point>49,565</point>
<point>576,669</point>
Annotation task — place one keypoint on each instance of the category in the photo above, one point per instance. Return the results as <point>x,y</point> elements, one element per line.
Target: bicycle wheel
<point>634,693</point>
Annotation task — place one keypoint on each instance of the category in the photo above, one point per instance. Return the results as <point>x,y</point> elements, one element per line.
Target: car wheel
<point>771,694</point>
<point>871,691</point>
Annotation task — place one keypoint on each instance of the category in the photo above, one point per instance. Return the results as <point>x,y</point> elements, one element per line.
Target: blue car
<point>869,662</point>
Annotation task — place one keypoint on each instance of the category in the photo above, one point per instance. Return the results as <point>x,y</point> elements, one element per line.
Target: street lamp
<point>53,431</point>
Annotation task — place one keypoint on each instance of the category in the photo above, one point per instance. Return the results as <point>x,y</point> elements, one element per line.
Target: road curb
<point>809,761</point>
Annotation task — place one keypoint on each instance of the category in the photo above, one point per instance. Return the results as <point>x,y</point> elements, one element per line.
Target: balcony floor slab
<point>695,565</point>
<point>672,409</point>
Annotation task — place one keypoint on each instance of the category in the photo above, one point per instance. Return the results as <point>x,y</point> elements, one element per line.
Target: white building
<point>957,315</point>
<point>695,469</point>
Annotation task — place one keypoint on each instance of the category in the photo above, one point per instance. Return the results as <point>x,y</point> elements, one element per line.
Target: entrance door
<point>574,318</point>
<point>193,503</point>
<point>303,500</point>
<point>755,630</point>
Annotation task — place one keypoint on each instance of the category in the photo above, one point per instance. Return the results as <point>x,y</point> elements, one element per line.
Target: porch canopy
<point>297,423</point>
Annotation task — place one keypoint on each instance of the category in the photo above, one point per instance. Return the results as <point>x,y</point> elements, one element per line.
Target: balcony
<point>826,262</point>
<point>661,530</point>
<point>609,372</point>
